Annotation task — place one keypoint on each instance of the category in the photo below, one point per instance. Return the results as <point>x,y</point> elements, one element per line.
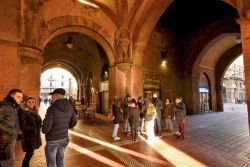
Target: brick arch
<point>65,65</point>
<point>64,24</point>
<point>143,25</point>
<point>207,61</point>
<point>225,61</point>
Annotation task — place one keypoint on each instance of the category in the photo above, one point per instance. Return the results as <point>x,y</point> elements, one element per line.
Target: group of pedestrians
<point>21,116</point>
<point>146,116</point>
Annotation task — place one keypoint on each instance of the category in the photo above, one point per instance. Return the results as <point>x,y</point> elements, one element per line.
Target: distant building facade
<point>234,84</point>
<point>53,81</point>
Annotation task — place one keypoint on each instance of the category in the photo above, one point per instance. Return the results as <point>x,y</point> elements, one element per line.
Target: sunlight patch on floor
<point>173,155</point>
<point>124,150</point>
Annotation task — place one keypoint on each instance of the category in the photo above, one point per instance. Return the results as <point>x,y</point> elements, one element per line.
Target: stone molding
<point>68,20</point>
<point>31,54</point>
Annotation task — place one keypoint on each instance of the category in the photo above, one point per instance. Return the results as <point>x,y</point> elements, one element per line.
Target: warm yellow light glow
<point>164,63</point>
<point>121,149</point>
<point>173,155</point>
<point>88,3</point>
<point>94,155</point>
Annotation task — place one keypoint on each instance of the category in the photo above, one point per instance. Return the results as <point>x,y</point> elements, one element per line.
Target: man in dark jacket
<point>59,118</point>
<point>9,126</point>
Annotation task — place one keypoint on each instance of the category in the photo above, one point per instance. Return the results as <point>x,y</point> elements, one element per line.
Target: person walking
<point>9,126</point>
<point>60,116</point>
<point>180,114</point>
<point>30,124</point>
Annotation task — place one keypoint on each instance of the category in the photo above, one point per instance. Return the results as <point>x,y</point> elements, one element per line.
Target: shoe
<point>117,138</point>
<point>133,140</point>
<point>178,134</point>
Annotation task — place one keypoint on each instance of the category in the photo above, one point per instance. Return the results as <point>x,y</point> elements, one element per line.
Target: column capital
<point>124,67</point>
<point>31,53</point>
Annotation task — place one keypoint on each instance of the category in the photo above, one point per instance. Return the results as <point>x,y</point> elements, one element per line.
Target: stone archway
<point>68,67</point>
<point>142,28</point>
<point>222,64</point>
<point>65,24</point>
<point>207,62</point>
<point>205,93</point>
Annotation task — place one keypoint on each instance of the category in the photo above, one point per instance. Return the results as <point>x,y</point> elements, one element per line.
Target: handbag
<point>111,116</point>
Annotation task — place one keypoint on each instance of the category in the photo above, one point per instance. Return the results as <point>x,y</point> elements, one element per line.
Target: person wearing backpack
<point>149,119</point>
<point>9,126</point>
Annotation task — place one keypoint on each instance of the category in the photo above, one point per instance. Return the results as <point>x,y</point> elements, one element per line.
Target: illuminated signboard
<point>203,90</point>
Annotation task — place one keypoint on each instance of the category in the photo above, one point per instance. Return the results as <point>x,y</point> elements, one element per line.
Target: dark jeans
<point>133,133</point>
<point>27,158</point>
<point>11,161</point>
<point>54,152</point>
<point>158,126</point>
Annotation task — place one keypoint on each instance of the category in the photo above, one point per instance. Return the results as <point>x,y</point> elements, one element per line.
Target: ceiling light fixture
<point>238,39</point>
<point>69,43</point>
<point>88,3</point>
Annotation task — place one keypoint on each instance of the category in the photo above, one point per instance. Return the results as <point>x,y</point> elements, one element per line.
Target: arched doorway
<point>234,82</point>
<point>57,78</point>
<point>84,56</point>
<point>205,93</point>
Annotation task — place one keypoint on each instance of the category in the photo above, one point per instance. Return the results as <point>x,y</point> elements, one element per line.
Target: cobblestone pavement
<point>214,139</point>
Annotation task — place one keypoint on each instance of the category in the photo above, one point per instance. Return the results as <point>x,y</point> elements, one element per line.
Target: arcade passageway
<point>172,48</point>
<point>212,139</point>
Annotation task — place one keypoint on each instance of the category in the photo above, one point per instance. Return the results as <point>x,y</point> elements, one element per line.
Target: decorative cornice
<point>31,53</point>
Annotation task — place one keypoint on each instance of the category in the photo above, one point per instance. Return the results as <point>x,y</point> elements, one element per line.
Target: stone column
<point>137,82</point>
<point>245,37</point>
<point>125,79</point>
<point>9,67</point>
<point>117,80</point>
<point>31,60</point>
<point>219,94</point>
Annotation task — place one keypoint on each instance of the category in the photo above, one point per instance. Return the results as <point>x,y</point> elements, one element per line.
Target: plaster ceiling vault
<point>141,17</point>
<point>193,20</point>
<point>81,57</point>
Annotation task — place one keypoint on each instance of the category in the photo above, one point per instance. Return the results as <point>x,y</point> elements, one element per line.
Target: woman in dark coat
<point>134,118</point>
<point>116,107</point>
<point>30,123</point>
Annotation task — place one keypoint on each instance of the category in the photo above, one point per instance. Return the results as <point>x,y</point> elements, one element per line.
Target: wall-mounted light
<point>88,3</point>
<point>163,59</point>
